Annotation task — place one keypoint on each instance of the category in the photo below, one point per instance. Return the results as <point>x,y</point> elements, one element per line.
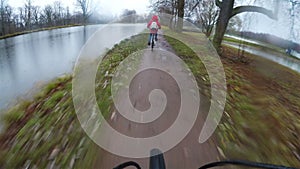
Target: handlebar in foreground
<point>157,160</point>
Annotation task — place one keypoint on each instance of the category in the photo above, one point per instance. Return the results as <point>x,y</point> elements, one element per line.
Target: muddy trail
<point>189,153</point>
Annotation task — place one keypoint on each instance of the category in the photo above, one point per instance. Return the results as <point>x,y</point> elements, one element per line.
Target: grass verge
<point>261,119</point>
<point>45,132</point>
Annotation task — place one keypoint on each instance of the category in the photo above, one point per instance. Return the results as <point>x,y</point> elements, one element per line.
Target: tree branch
<point>241,9</point>
<point>197,3</point>
<point>218,3</point>
<point>193,8</point>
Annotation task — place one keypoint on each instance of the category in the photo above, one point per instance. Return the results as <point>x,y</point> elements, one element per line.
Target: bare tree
<point>2,15</point>
<point>234,25</point>
<point>180,8</point>
<point>207,13</point>
<point>5,19</point>
<point>30,17</point>
<point>84,5</point>
<point>190,7</point>
<point>129,16</point>
<point>36,15</point>
<point>21,18</point>
<point>227,11</point>
<point>9,22</point>
<point>292,15</point>
<point>67,16</point>
<point>58,12</point>
<point>28,14</point>
<point>48,15</point>
<point>175,8</point>
<point>9,18</point>
<point>169,7</point>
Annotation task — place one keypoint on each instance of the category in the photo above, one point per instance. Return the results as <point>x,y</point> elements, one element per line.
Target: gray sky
<point>105,6</point>
<point>260,23</point>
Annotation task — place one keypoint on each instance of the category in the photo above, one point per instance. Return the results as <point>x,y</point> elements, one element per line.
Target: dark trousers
<point>150,36</point>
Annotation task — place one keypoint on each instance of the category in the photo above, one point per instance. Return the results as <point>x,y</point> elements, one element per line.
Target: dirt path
<point>188,154</point>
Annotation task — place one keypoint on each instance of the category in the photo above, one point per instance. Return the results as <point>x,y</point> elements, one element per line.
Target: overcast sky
<point>105,6</point>
<point>260,23</point>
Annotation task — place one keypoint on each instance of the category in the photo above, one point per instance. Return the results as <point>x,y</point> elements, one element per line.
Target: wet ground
<point>189,153</point>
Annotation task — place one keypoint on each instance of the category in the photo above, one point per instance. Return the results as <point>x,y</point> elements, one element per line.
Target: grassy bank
<point>261,119</point>
<point>261,47</point>
<point>36,30</point>
<point>45,132</point>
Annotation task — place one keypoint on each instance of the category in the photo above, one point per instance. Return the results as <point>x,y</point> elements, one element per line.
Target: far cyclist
<point>153,25</point>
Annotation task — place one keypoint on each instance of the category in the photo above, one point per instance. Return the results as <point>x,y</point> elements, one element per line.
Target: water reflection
<point>38,57</point>
<point>282,59</point>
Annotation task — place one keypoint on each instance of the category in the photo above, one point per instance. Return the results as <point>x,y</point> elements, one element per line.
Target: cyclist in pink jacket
<point>153,25</point>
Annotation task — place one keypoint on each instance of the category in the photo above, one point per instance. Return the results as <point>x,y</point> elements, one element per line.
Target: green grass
<point>260,122</point>
<point>15,114</point>
<point>190,58</point>
<point>35,129</point>
<point>118,54</point>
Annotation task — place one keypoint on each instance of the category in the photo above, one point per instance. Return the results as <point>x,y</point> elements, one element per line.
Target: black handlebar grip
<point>157,160</point>
<point>127,164</point>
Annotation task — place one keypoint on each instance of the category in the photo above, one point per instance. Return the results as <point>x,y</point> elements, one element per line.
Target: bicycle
<point>157,162</point>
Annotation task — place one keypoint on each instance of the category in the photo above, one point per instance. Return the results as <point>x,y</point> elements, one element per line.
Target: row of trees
<point>31,17</point>
<point>131,16</point>
<point>209,13</point>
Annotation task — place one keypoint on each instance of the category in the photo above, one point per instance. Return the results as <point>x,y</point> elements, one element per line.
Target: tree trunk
<point>2,24</point>
<point>172,15</point>
<point>181,4</point>
<point>171,22</point>
<point>222,22</point>
<point>2,12</point>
